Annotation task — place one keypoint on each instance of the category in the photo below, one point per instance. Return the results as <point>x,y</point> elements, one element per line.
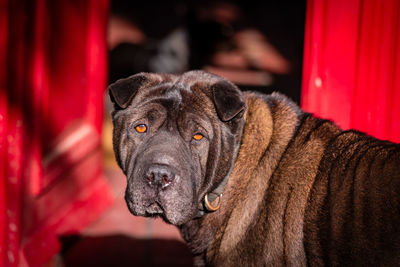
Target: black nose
<point>160,176</point>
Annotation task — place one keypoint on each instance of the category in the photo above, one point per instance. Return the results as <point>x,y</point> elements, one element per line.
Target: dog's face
<point>175,138</point>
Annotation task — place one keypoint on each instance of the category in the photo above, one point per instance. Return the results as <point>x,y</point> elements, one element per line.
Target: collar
<point>207,204</point>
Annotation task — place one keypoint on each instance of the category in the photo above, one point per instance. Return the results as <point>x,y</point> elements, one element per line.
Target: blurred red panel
<point>351,64</point>
<point>53,61</point>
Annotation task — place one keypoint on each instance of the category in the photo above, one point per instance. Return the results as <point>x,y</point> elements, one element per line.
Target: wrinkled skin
<point>302,191</point>
<point>168,170</point>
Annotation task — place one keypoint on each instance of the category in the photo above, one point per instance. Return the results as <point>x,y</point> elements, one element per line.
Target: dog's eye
<point>141,128</point>
<point>198,137</point>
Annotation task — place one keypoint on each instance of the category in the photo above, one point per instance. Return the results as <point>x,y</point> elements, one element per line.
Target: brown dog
<point>250,179</point>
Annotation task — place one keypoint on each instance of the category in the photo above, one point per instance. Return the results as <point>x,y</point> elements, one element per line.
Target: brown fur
<point>276,210</point>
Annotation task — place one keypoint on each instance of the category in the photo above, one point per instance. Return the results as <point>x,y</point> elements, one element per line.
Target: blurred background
<point>257,45</point>
<point>61,191</point>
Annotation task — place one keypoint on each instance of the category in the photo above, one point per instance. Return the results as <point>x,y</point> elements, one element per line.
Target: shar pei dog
<point>252,180</point>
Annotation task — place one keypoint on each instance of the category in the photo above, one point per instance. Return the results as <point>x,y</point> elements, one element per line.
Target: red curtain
<point>351,71</point>
<point>52,81</point>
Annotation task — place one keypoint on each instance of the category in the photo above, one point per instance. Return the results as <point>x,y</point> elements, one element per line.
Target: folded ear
<point>122,91</point>
<point>228,100</point>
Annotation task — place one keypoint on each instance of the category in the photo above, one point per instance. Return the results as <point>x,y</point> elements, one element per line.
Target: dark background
<point>282,22</point>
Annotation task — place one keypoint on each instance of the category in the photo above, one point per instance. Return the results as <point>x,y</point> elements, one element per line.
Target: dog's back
<point>353,211</point>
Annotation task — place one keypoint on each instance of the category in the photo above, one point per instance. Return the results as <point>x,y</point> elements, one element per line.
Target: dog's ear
<point>228,100</point>
<point>123,91</point>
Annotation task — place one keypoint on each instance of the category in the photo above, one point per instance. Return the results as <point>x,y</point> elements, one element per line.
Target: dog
<point>252,180</point>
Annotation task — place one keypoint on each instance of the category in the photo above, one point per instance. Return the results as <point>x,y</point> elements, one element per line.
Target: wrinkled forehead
<point>177,94</point>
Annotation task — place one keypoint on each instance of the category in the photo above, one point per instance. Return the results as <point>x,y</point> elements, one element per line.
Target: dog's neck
<point>265,131</point>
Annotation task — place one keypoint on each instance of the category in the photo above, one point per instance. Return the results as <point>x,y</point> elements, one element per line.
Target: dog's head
<point>176,138</point>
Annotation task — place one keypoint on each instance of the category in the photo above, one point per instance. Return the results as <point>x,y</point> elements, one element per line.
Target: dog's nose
<point>160,176</point>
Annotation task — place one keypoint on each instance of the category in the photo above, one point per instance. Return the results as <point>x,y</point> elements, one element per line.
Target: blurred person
<point>214,34</point>
<point>238,52</point>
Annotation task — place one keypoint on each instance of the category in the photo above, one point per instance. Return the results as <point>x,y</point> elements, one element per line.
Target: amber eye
<point>141,128</point>
<point>198,137</point>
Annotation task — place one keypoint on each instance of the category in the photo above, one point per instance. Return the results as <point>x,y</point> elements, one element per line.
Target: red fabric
<point>351,71</point>
<point>52,81</point>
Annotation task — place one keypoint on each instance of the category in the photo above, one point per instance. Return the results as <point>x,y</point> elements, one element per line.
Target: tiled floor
<point>118,238</point>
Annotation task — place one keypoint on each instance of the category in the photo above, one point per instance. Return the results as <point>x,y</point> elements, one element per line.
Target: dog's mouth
<point>154,209</point>
<point>173,204</point>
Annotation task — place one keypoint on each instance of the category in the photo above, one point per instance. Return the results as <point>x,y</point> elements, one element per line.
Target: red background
<point>52,81</point>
